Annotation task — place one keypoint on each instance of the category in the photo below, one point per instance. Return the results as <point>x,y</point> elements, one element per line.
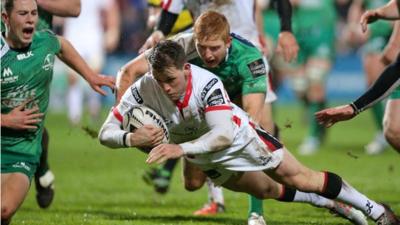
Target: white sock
<point>214,193</point>
<point>74,102</point>
<point>352,197</point>
<point>313,199</point>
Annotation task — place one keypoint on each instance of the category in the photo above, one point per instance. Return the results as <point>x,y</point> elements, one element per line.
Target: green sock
<point>315,130</point>
<point>377,111</point>
<point>256,205</point>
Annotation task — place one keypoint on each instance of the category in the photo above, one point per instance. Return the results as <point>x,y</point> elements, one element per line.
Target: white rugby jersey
<point>239,13</point>
<point>186,119</point>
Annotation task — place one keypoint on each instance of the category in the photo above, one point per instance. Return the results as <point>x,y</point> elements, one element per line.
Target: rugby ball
<point>141,115</point>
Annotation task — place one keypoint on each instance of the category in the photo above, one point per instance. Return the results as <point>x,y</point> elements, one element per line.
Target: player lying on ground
<point>223,142</point>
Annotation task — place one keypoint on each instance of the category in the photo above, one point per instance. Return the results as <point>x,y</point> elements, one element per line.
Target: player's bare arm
<point>63,8</point>
<point>391,50</point>
<point>128,74</point>
<point>72,58</point>
<point>253,104</point>
<point>390,11</point>
<point>287,44</point>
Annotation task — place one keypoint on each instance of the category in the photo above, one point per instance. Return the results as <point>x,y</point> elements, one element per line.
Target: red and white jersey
<point>186,120</point>
<point>240,14</point>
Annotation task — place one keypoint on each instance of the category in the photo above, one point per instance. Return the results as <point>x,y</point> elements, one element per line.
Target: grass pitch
<point>96,185</point>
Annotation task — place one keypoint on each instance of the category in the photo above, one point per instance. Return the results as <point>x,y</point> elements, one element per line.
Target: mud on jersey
<point>26,74</point>
<point>186,118</point>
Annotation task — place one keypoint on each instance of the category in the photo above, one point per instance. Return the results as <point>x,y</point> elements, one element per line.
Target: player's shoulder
<point>243,49</point>
<point>204,80</point>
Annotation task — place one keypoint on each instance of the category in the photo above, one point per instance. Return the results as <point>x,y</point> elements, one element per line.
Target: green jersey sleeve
<point>254,72</point>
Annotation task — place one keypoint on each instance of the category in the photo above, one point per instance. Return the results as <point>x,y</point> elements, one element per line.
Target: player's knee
<point>392,135</point>
<point>193,184</point>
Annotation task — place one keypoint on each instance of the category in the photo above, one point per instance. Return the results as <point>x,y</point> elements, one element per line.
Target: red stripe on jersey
<point>165,4</point>
<point>189,89</point>
<point>272,143</point>
<point>218,107</point>
<point>237,120</point>
<point>269,144</point>
<point>117,114</point>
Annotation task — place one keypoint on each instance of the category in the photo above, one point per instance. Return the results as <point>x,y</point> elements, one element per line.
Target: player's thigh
<point>256,183</point>
<point>391,120</point>
<point>293,173</point>
<point>14,188</point>
<point>193,176</point>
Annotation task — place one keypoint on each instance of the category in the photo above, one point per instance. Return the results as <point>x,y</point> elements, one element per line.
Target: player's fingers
<point>29,127</point>
<point>24,103</point>
<point>99,90</point>
<point>33,121</point>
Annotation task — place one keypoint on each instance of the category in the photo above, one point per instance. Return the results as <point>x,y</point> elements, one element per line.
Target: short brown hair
<point>211,24</point>
<point>8,5</point>
<point>166,54</point>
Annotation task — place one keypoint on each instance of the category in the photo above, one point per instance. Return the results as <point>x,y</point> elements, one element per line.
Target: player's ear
<point>229,42</point>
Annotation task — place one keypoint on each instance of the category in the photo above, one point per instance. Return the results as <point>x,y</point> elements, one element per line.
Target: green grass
<point>96,185</point>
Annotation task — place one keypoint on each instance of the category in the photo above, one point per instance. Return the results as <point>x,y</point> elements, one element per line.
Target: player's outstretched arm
<point>382,87</point>
<point>71,57</point>
<point>63,8</point>
<point>393,46</point>
<point>330,116</point>
<point>129,73</point>
<point>390,11</point>
<point>22,119</point>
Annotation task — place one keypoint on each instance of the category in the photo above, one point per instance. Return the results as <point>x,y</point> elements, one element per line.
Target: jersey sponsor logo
<point>21,165</point>
<point>7,76</point>
<point>136,95</point>
<point>207,88</point>
<point>216,98</point>
<point>48,62</point>
<point>7,72</point>
<point>23,56</point>
<point>257,68</point>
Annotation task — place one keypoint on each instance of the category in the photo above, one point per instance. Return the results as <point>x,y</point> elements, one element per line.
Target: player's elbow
<point>106,139</point>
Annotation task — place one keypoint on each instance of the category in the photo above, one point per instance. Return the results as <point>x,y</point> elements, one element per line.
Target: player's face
<point>173,81</point>
<point>212,51</point>
<point>21,22</point>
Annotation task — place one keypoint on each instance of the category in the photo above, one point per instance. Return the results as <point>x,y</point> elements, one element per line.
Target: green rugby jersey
<point>243,71</point>
<point>26,74</point>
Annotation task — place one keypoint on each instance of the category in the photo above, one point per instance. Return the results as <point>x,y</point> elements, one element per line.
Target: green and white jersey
<point>26,74</point>
<point>244,70</point>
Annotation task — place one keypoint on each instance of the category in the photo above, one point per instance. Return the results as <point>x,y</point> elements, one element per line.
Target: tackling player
<point>223,143</point>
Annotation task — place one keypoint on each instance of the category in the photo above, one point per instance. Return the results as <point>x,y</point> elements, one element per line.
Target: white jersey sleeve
<point>218,116</point>
<point>111,133</point>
